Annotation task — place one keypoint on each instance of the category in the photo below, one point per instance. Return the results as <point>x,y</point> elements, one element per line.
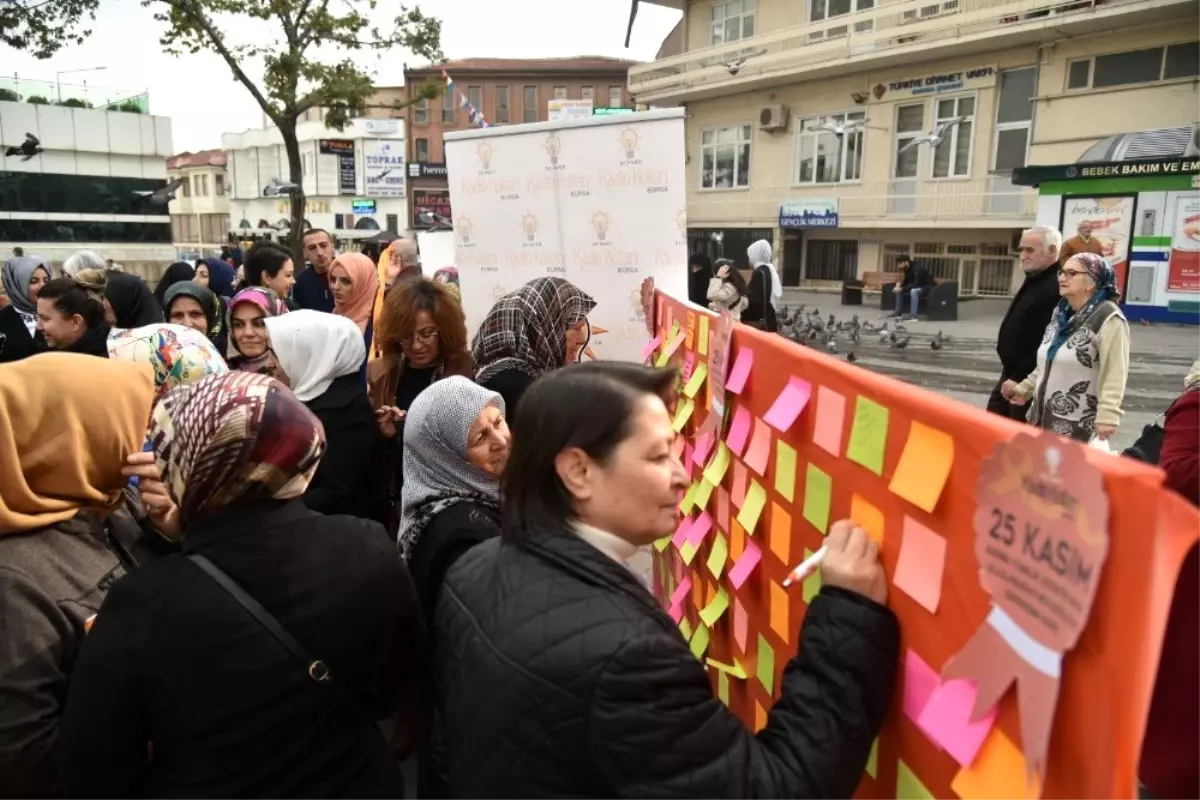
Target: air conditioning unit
<point>773,118</point>
<point>1193,147</point>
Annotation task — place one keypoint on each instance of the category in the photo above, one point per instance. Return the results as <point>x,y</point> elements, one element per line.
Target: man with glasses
<point>1027,317</point>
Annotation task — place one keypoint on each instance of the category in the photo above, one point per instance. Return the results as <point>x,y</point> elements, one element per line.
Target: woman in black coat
<point>23,279</point>
<point>180,690</point>
<point>320,354</point>
<point>558,674</point>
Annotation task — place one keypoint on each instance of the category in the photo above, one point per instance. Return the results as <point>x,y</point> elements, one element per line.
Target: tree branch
<point>307,38</point>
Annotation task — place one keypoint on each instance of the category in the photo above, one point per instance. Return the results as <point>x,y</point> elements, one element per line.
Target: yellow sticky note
<point>723,687</point>
<point>873,759</point>
<point>685,628</point>
<point>689,499</point>
<point>696,381</point>
<point>818,497</point>
<point>868,437</point>
<point>780,537</point>
<point>756,500</point>
<point>908,785</point>
<point>663,357</point>
<point>780,612</point>
<point>997,772</point>
<point>718,556</point>
<point>924,466</point>
<point>683,414</point>
<point>737,540</point>
<point>715,472</point>
<point>785,471</point>
<point>661,544</point>
<point>715,609</point>
<point>703,493</point>
<point>700,640</point>
<point>812,584</point>
<point>760,717</point>
<point>735,669</point>
<point>688,552</point>
<point>867,517</point>
<point>765,667</point>
<point>702,342</point>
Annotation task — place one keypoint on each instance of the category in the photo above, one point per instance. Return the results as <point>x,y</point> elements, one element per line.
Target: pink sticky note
<point>704,444</point>
<point>759,451</point>
<point>920,681</point>
<point>745,565</point>
<point>689,363</point>
<point>831,418</point>
<point>681,533</point>
<point>946,720</point>
<point>741,370</point>
<point>677,446</point>
<point>676,613</point>
<point>740,478</point>
<point>681,591</point>
<point>651,346</point>
<point>741,624</point>
<point>921,564</point>
<point>687,461</point>
<point>722,509</point>
<point>699,529</point>
<point>739,430</point>
<point>789,404</point>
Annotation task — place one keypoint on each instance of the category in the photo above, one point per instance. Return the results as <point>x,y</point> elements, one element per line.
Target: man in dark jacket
<point>1026,320</point>
<point>916,280</point>
<point>312,284</point>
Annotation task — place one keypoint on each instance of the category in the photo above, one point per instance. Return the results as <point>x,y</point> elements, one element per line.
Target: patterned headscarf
<point>179,356</point>
<point>527,329</point>
<point>1106,289</point>
<point>437,474</point>
<point>234,438</point>
<point>271,306</point>
<point>364,286</point>
<point>449,277</point>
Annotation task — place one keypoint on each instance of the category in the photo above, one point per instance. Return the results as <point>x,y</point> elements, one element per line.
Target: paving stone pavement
<point>967,368</point>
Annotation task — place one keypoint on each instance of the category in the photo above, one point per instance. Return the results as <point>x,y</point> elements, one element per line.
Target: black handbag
<point>1148,446</point>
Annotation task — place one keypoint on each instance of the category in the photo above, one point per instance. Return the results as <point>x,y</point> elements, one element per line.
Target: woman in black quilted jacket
<point>557,673</point>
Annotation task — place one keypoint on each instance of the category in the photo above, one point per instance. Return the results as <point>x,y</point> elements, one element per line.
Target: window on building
<point>1182,61</point>
<point>616,96</point>
<point>1014,118</point>
<point>587,93</point>
<point>1147,65</point>
<point>952,158</point>
<point>421,112</point>
<point>529,110</point>
<point>732,20</point>
<point>422,149</point>
<point>219,185</point>
<point>185,189</point>
<point>447,107</point>
<point>502,104</point>
<point>475,97</point>
<point>910,123</point>
<point>828,9</point>
<point>725,157</point>
<point>32,230</point>
<point>560,93</point>
<point>821,157</point>
<point>831,259</point>
<point>393,222</point>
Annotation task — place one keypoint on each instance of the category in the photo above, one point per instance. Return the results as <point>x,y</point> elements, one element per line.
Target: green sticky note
<point>685,628</point>
<point>818,494</point>
<point>752,506</point>
<point>715,471</point>
<point>868,437</point>
<point>723,687</point>
<point>873,759</point>
<point>735,669</point>
<point>689,498</point>
<point>718,556</point>
<point>700,641</point>
<point>663,357</point>
<point>765,670</point>
<point>812,583</point>
<point>696,380</point>
<point>688,552</point>
<point>908,785</point>
<point>704,493</point>
<point>785,471</point>
<point>661,544</point>
<point>715,609</point>
<point>682,414</point>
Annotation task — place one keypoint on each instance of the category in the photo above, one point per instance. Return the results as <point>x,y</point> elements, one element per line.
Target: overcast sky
<point>203,100</point>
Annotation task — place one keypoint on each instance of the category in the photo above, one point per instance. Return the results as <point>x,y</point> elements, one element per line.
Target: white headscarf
<point>313,348</point>
<point>84,259</point>
<point>759,254</point>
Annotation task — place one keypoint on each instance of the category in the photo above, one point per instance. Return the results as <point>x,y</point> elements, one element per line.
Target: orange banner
<point>809,439</point>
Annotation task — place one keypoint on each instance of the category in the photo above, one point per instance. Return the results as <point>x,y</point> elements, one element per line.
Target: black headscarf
<point>214,311</point>
<point>179,271</point>
<point>132,301</point>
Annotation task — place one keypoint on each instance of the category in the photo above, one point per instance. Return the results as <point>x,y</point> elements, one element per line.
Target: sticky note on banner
<point>700,640</point>
<point>650,347</point>
<point>908,785</point>
<point>722,509</point>
<point>998,772</point>
<point>741,624</point>
<point>702,336</point>
<point>785,470</point>
<point>868,436</point>
<point>661,544</point>
<point>759,451</point>
<point>723,687</point>
<point>696,380</point>
<point>812,584</point>
<point>756,500</point>
<point>681,532</point>
<point>780,536</point>
<point>740,371</point>
<point>735,669</point>
<point>685,628</point>
<point>688,501</point>
<point>689,363</point>
<point>818,497</point>
<point>831,420</point>
<point>703,493</point>
<point>688,552</point>
<point>683,413</point>
<point>676,614</point>
<point>873,759</point>
<point>704,443</point>
<point>745,565</point>
<point>699,529</point>
<point>867,517</point>
<point>791,401</point>
<point>920,681</point>
<point>924,466</point>
<point>681,591</point>
<point>715,609</point>
<point>921,564</point>
<point>780,612</point>
<point>947,721</point>
<point>740,479</point>
<point>691,328</point>
<point>739,430</point>
<point>715,473</point>
<point>718,555</point>
<point>764,668</point>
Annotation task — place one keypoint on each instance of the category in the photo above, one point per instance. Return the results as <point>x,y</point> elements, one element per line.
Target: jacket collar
<point>242,519</point>
<point>566,551</point>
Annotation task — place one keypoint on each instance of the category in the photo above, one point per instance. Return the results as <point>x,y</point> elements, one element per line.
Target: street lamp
<point>58,77</point>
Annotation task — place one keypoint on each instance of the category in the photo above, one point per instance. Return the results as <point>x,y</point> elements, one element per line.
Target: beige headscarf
<point>1193,376</point>
<point>72,421</point>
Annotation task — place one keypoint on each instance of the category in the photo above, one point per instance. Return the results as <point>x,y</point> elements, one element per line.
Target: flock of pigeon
<point>810,330</point>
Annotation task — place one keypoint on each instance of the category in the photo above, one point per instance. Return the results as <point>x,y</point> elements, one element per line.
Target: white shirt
<point>610,544</point>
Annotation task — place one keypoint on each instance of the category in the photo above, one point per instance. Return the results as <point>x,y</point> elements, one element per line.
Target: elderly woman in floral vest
<point>1083,363</point>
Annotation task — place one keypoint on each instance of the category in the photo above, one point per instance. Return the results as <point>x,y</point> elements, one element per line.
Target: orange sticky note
<point>698,592</point>
<point>691,329</point>
<point>924,466</point>
<point>740,476</point>
<point>780,535</point>
<point>997,772</point>
<point>780,612</point>
<point>737,540</point>
<point>760,717</point>
<point>867,517</point>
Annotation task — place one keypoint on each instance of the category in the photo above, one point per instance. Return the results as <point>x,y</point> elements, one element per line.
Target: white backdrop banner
<point>600,202</point>
<point>384,173</point>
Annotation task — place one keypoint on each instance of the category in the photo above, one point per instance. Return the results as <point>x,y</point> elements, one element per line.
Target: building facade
<point>200,210</point>
<point>355,181</point>
<point>81,192</point>
<point>506,91</point>
<point>809,123</point>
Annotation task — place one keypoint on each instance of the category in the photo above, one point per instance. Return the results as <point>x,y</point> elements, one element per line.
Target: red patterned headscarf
<point>232,438</point>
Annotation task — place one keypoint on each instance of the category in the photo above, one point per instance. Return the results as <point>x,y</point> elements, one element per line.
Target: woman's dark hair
<point>588,406</point>
<point>734,276</point>
<point>73,296</point>
<point>264,258</point>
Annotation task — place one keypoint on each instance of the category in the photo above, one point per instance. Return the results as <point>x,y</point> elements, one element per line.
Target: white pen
<point>806,567</point>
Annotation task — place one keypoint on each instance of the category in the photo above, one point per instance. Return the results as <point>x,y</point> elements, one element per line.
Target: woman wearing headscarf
<point>84,259</point>
<point>354,283</point>
<point>73,314</point>
<point>192,692</point>
<point>221,277</point>
<point>765,290</point>
<point>130,299</point>
<point>178,356</point>
<point>700,271</point>
<point>448,277</point>
<point>66,535</point>
<point>529,332</point>
<point>176,273</point>
<point>194,306</point>
<point>23,279</point>
<point>320,354</point>
<point>727,289</point>
<point>1082,366</point>
<point>249,349</point>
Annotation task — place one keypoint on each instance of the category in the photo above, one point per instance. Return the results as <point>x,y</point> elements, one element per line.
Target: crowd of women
<point>254,550</point>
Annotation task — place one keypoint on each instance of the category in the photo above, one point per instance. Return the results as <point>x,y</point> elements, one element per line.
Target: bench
<point>852,291</point>
<point>938,304</point>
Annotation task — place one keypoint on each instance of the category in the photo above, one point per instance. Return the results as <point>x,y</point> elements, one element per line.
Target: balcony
<point>991,202</point>
<point>905,32</point>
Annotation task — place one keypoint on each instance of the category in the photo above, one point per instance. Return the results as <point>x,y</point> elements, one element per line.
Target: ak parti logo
<point>629,143</point>
<point>463,226</point>
<point>529,224</point>
<point>484,152</point>
<point>553,147</point>
<point>600,223</point>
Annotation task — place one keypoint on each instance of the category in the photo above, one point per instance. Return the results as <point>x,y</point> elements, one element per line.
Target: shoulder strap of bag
<point>315,668</point>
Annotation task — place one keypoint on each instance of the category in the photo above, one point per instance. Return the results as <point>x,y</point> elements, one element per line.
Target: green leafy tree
<point>297,77</point>
<point>42,27</point>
